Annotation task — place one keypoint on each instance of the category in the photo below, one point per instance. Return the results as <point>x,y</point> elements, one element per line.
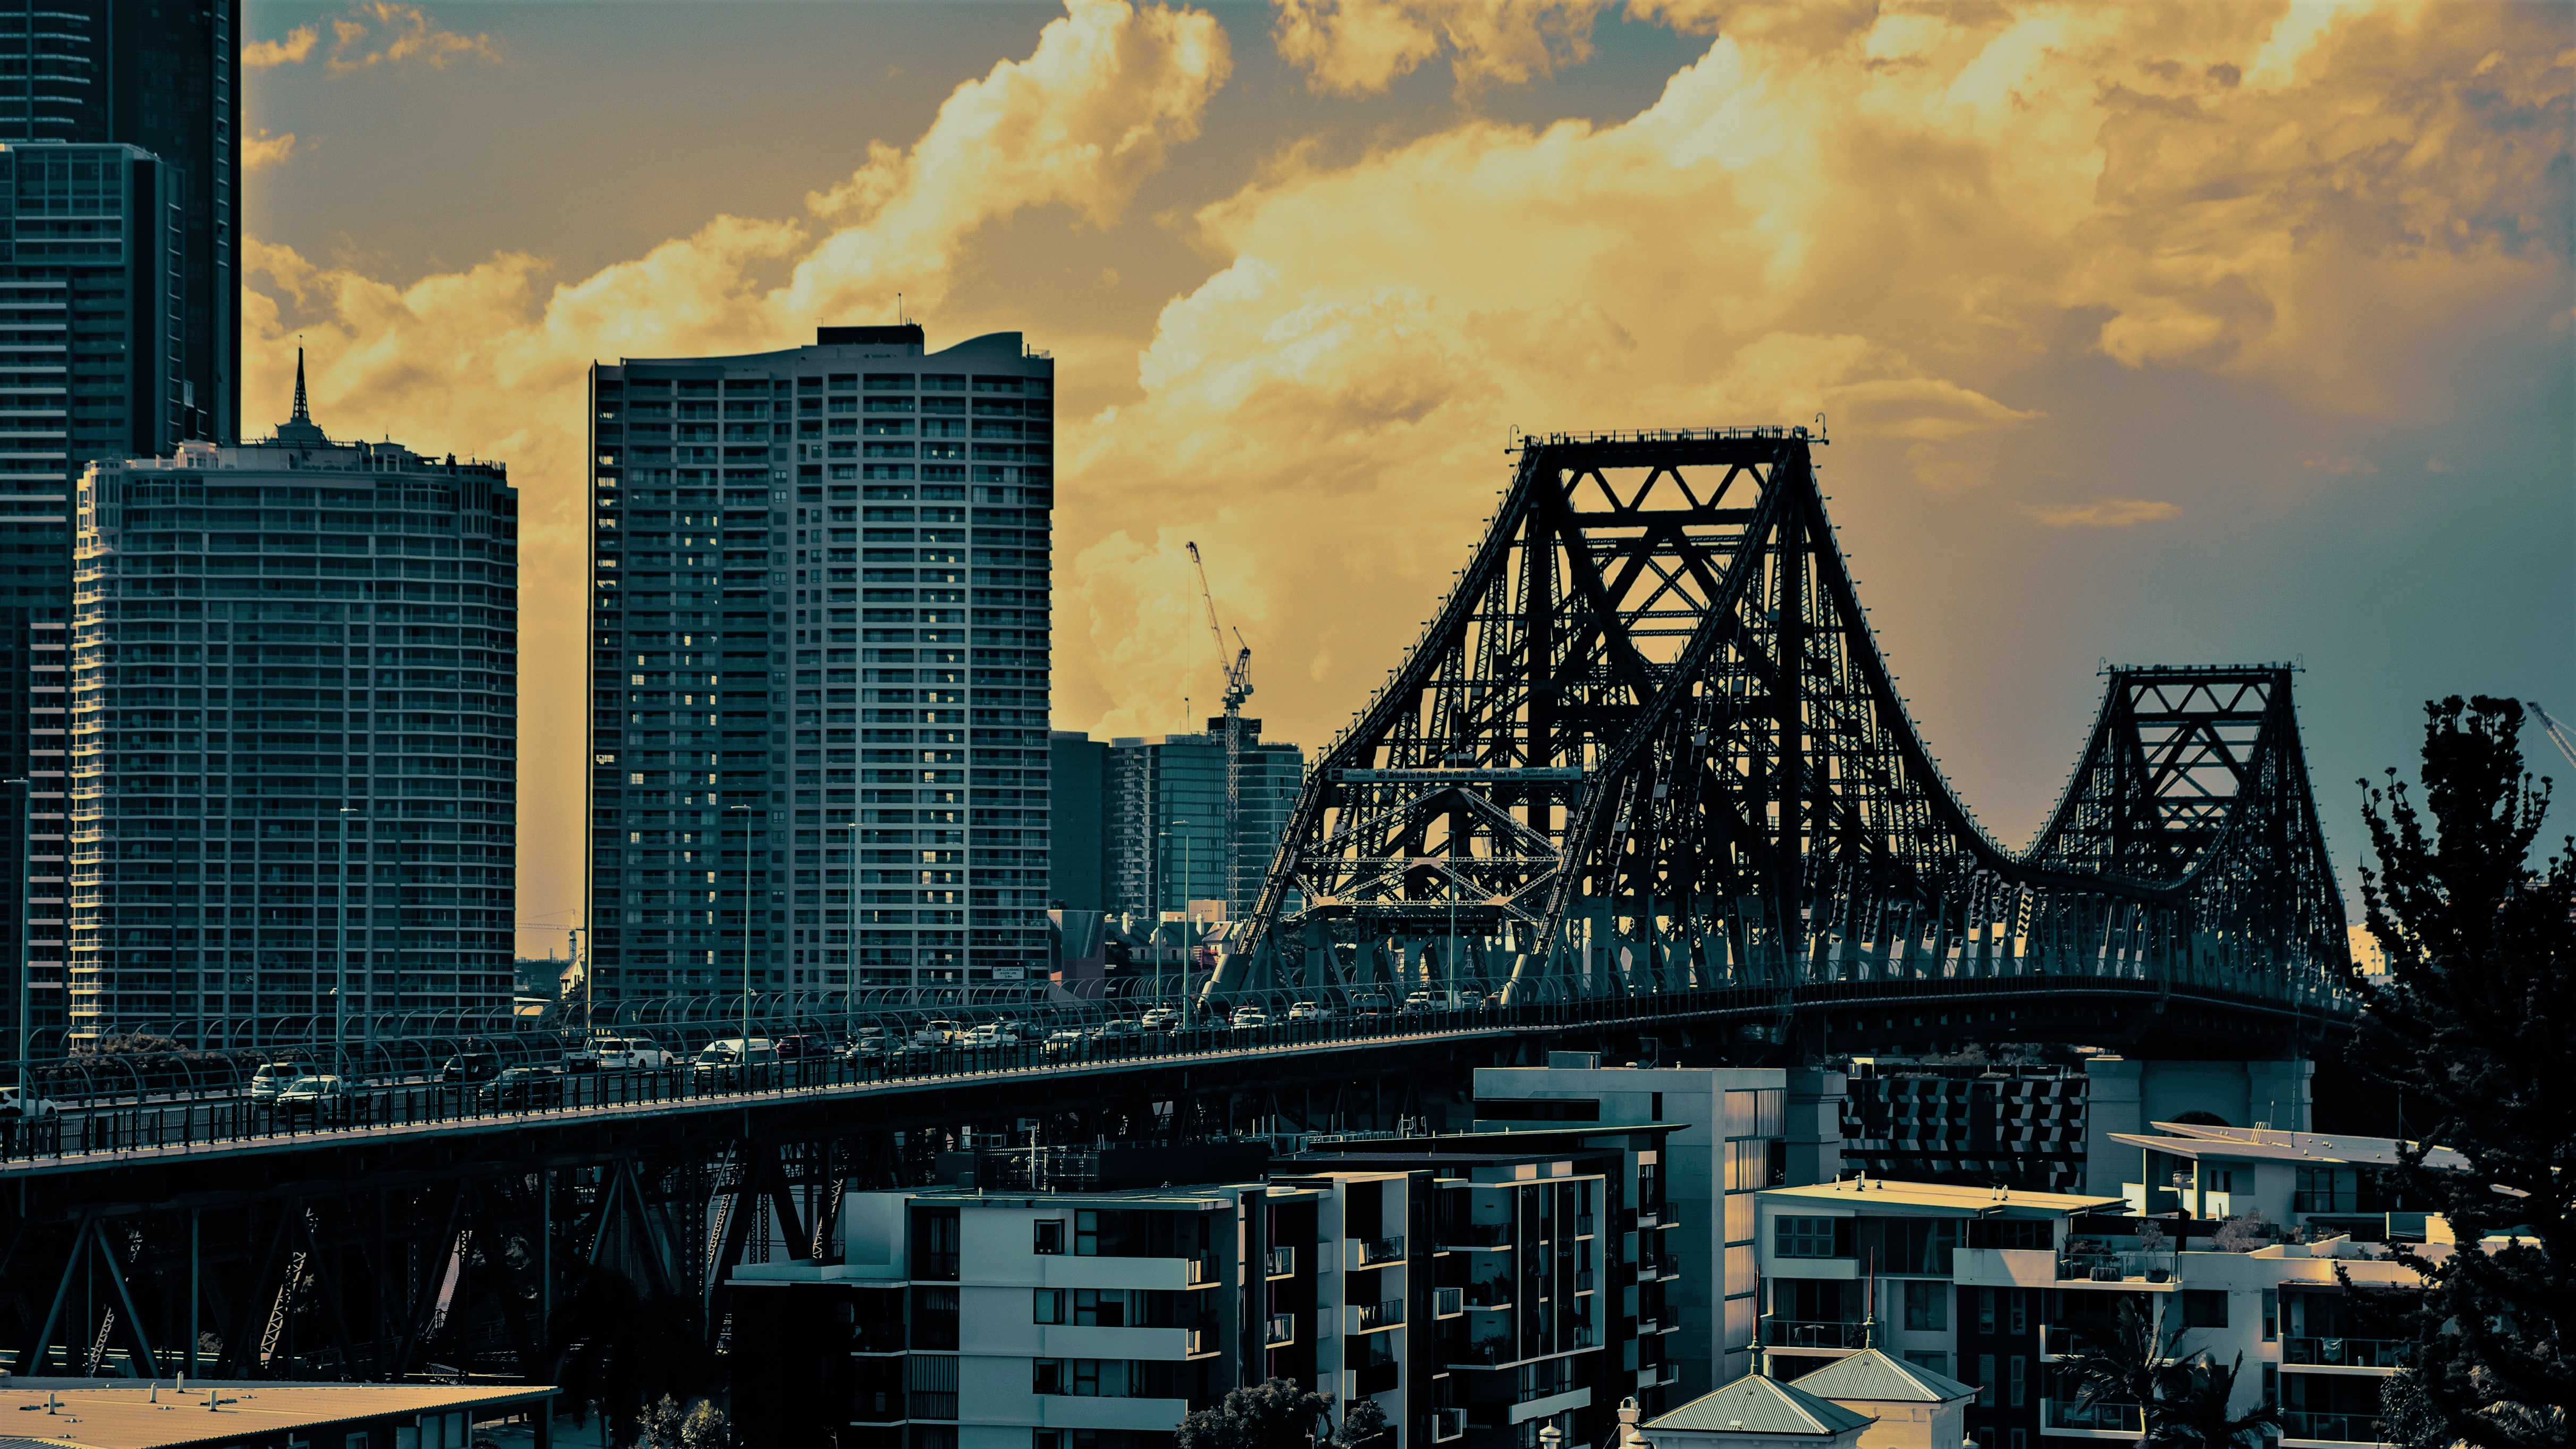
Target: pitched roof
<point>1871,1376</point>
<point>1758,1405</point>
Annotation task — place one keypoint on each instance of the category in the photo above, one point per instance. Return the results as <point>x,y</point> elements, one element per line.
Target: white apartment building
<point>1739,1130</point>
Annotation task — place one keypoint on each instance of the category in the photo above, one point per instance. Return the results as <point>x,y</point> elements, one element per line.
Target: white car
<point>276,1077</point>
<point>935,1034</point>
<point>1161,1018</point>
<point>1308,1011</point>
<point>1250,1018</point>
<point>632,1053</point>
<point>14,1105</point>
<point>324,1098</point>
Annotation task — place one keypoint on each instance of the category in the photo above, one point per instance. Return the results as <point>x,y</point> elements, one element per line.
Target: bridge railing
<point>143,1100</point>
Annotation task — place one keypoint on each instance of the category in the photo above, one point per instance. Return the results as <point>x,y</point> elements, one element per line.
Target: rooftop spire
<point>303,414</point>
<point>299,431</point>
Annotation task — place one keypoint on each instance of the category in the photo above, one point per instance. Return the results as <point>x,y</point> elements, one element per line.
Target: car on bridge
<point>803,1046</point>
<point>18,1107</point>
<point>323,1098</point>
<point>633,1053</point>
<point>276,1077</point>
<point>869,1043</point>
<point>1161,1018</point>
<point>1066,1041</point>
<point>1119,1028</point>
<point>466,1069</point>
<point>1308,1011</point>
<point>726,1058</point>
<point>938,1033</point>
<point>1249,1018</point>
<point>521,1088</point>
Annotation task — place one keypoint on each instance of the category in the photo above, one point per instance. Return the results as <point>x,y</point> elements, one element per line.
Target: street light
<point>746,940</point>
<point>850,982</point>
<point>340,948</point>
<point>26,997</point>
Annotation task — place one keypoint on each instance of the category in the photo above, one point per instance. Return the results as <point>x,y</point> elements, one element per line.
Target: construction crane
<point>2557,732</point>
<point>1238,687</point>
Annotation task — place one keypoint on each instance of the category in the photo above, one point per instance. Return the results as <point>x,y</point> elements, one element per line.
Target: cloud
<point>1351,47</point>
<point>260,152</point>
<point>2105,513</point>
<point>384,33</point>
<point>293,50</point>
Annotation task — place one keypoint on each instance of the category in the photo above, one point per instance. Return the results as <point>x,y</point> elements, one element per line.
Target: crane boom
<point>1238,687</point>
<point>2557,732</point>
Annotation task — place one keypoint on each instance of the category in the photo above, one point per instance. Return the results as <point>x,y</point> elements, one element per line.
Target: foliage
<point>1276,1414</point>
<point>2196,1413</point>
<point>622,1351</point>
<point>1363,1423</point>
<point>2242,1233</point>
<point>2128,1368</point>
<point>2476,1028</point>
<point>701,1426</point>
<point>2151,1236</point>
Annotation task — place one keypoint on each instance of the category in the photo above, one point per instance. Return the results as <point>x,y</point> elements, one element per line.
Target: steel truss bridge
<point>1644,784</point>
<point>1649,742</point>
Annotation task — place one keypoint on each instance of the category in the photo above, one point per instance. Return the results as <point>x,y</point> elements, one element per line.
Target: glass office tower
<point>818,688</point>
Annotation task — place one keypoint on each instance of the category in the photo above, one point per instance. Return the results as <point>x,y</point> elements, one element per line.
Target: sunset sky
<point>2198,333</point>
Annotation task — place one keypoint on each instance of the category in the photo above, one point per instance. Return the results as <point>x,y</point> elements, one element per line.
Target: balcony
<point>1070,1411</point>
<point>1583,1281</point>
<point>1280,1331</point>
<point>2154,1267</point>
<point>1668,1373</point>
<point>1491,1296</point>
<point>1583,1225</point>
<point>1793,1333</point>
<point>1375,1251</point>
<point>1280,1263</point>
<point>2331,1428</point>
<point>2089,1418</point>
<point>1448,1424</point>
<point>1076,1340</point>
<point>1203,1271</point>
<point>1550,1406</point>
<point>1370,1317</point>
<point>1448,1302</point>
<point>1486,1352</point>
<point>2363,1353</point>
<point>1475,1237</point>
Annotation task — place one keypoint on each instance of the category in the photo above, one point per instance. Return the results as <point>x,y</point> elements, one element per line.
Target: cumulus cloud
<point>382,32</point>
<point>2105,513</point>
<point>260,152</point>
<point>293,50</point>
<point>1351,47</point>
<point>1890,215</point>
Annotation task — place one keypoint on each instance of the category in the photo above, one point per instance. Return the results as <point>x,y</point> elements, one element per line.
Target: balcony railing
<point>2112,1418</point>
<point>2387,1353</point>
<point>1281,1263</point>
<point>1448,1302</point>
<point>1196,1341</point>
<point>1282,1330</point>
<point>2114,1267</point>
<point>1203,1271</point>
<point>1374,1251</point>
<point>1583,1281</point>
<point>1668,1373</point>
<point>1491,1294</point>
<point>1583,1225</point>
<point>1472,1236</point>
<point>2337,1428</point>
<point>1794,1333</point>
<point>1448,1424</point>
<point>1374,1316</point>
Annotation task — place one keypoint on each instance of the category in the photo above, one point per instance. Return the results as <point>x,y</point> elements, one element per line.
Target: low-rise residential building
<point>2291,1180</point>
<point>1737,1130</point>
<point>1478,1288</point>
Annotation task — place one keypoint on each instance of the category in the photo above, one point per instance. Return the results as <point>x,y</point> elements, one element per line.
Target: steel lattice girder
<point>1653,708</point>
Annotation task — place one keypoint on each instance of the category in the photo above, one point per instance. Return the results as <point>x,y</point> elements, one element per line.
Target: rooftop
<point>147,1414</point>
<point>2267,1144</point>
<point>1193,1197</point>
<point>1940,1199</point>
<point>1761,1405</point>
<point>1872,1377</point>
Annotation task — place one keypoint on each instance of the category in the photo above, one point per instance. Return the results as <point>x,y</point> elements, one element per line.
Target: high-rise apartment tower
<point>819,631</point>
<point>294,750</point>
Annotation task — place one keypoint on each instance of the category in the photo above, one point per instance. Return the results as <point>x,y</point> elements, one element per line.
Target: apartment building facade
<point>2000,1125</point>
<point>1164,811</point>
<point>819,666</point>
<point>294,685</point>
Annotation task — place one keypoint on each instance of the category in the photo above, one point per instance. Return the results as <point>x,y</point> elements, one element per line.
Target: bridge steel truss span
<point>1649,743</point>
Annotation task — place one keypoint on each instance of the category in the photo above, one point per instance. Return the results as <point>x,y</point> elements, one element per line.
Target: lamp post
<point>26,994</point>
<point>746,940</point>
<point>850,983</point>
<point>340,948</point>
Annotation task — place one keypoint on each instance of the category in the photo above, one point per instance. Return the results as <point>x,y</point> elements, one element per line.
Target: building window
<point>2204,1307</point>
<point>1048,1306</point>
<point>1985,1310</point>
<point>1985,1381</point>
<point>2020,1311</point>
<point>1938,1363</point>
<point>930,1386</point>
<point>1100,1307</point>
<point>2271,1385</point>
<point>1050,1236</point>
<point>2020,1388</point>
<point>1927,1305</point>
<point>1086,1235</point>
<point>2271,1314</point>
<point>1803,1237</point>
<point>2020,1439</point>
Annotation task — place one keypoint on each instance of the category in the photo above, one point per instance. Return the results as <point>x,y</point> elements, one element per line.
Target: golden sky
<point>2201,332</point>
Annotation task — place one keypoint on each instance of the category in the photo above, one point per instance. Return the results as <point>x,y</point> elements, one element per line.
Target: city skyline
<point>2100,388</point>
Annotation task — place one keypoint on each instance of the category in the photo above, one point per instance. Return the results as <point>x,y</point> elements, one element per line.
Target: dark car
<point>804,1046</point>
<point>467,1068</point>
<point>522,1087</point>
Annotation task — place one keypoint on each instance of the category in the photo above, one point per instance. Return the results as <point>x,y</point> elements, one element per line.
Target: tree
<point>1276,1414</point>
<point>2196,1412</point>
<point>2130,1368</point>
<point>2242,1233</point>
<point>2476,1029</point>
<point>620,1350</point>
<point>1363,1424</point>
